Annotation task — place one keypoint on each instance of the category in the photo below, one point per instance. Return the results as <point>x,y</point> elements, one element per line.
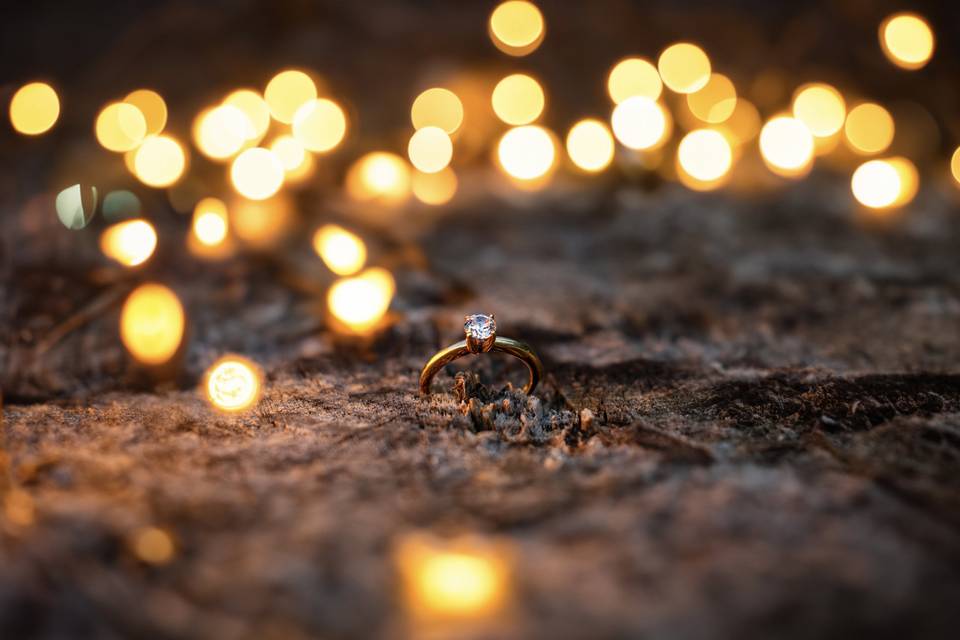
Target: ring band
<point>480,338</point>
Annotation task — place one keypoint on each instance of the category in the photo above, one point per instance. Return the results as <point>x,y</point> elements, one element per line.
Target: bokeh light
<point>437,107</point>
<point>909,180</point>
<point>290,152</point>
<point>955,165</point>
<point>715,101</point>
<point>120,127</point>
<point>359,303</point>
<point>153,545</point>
<point>210,224</point>
<point>257,173</point>
<point>430,149</point>
<point>518,99</point>
<point>130,243</point>
<point>869,129</point>
<point>820,107</point>
<point>152,323</point>
<point>152,106</point>
<point>786,146</point>
<point>222,131</point>
<point>907,40</point>
<point>434,188</point>
<point>684,67</point>
<point>634,77</point>
<point>516,27</point>
<point>34,108</point>
<point>526,153</point>
<point>876,184</point>
<point>160,161</point>
<point>232,384</point>
<point>252,104</point>
<point>590,145</point>
<point>320,125</point>
<point>705,157</point>
<point>343,251</point>
<point>76,205</point>
<point>261,224</point>
<point>288,91</point>
<point>641,123</point>
<point>379,176</point>
<point>743,125</point>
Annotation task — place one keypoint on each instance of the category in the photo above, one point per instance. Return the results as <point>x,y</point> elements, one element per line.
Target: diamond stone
<point>479,326</point>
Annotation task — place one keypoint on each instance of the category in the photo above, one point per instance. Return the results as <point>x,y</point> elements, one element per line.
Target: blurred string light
<point>743,125</point>
<point>704,159</point>
<point>319,125</point>
<point>210,224</point>
<point>152,323</point>
<point>955,165</point>
<point>130,243</point>
<point>641,123</point>
<point>152,106</point>
<point>221,132</point>
<point>430,149</point>
<point>343,251</point>
<point>233,384</point>
<point>907,40</point>
<point>160,161</point>
<point>261,224</point>
<point>252,104</point>
<point>288,91</point>
<point>120,204</point>
<point>526,153</point>
<point>684,67</point>
<point>359,303</point>
<point>518,99</point>
<point>869,129</point>
<point>34,108</point>
<point>257,173</point>
<point>634,77</point>
<point>883,184</point>
<point>517,27</point>
<point>153,545</point>
<point>120,127</point>
<point>461,579</point>
<point>786,146</point>
<point>379,176</point>
<point>437,107</point>
<point>715,101</point>
<point>290,152</point>
<point>590,145</point>
<point>434,188</point>
<point>821,108</point>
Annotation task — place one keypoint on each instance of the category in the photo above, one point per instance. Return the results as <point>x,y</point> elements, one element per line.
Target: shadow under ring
<point>515,348</point>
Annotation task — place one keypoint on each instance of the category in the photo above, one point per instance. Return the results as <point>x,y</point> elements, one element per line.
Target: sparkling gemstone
<point>479,326</point>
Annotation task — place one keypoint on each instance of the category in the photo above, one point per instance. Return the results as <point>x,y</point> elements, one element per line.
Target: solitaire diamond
<point>479,326</point>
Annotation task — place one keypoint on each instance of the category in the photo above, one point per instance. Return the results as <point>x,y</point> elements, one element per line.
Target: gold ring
<point>481,337</point>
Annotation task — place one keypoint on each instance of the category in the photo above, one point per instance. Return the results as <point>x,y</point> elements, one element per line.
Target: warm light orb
<point>590,145</point>
<point>360,302</point>
<point>518,99</point>
<point>516,27</point>
<point>876,184</point>
<point>120,127</point>
<point>907,40</point>
<point>288,91</point>
<point>257,173</point>
<point>743,125</point>
<point>684,67</point>
<point>153,546</point>
<point>222,131</point>
<point>290,152</point>
<point>955,165</point>
<point>909,179</point>
<point>319,125</point>
<point>252,104</point>
<point>380,176</point>
<point>821,108</point>
<point>344,252</point>
<point>261,224</point>
<point>232,384</point>
<point>34,108</point>
<point>151,105</point>
<point>430,149</point>
<point>704,155</point>
<point>634,77</point>
<point>151,323</point>
<point>786,146</point>
<point>160,161</point>
<point>526,153</point>
<point>437,107</point>
<point>210,223</point>
<point>434,188</point>
<point>641,123</point>
<point>130,243</point>
<point>715,101</point>
<point>869,129</point>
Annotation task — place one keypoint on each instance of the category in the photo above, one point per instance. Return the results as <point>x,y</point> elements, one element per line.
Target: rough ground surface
<point>750,427</point>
